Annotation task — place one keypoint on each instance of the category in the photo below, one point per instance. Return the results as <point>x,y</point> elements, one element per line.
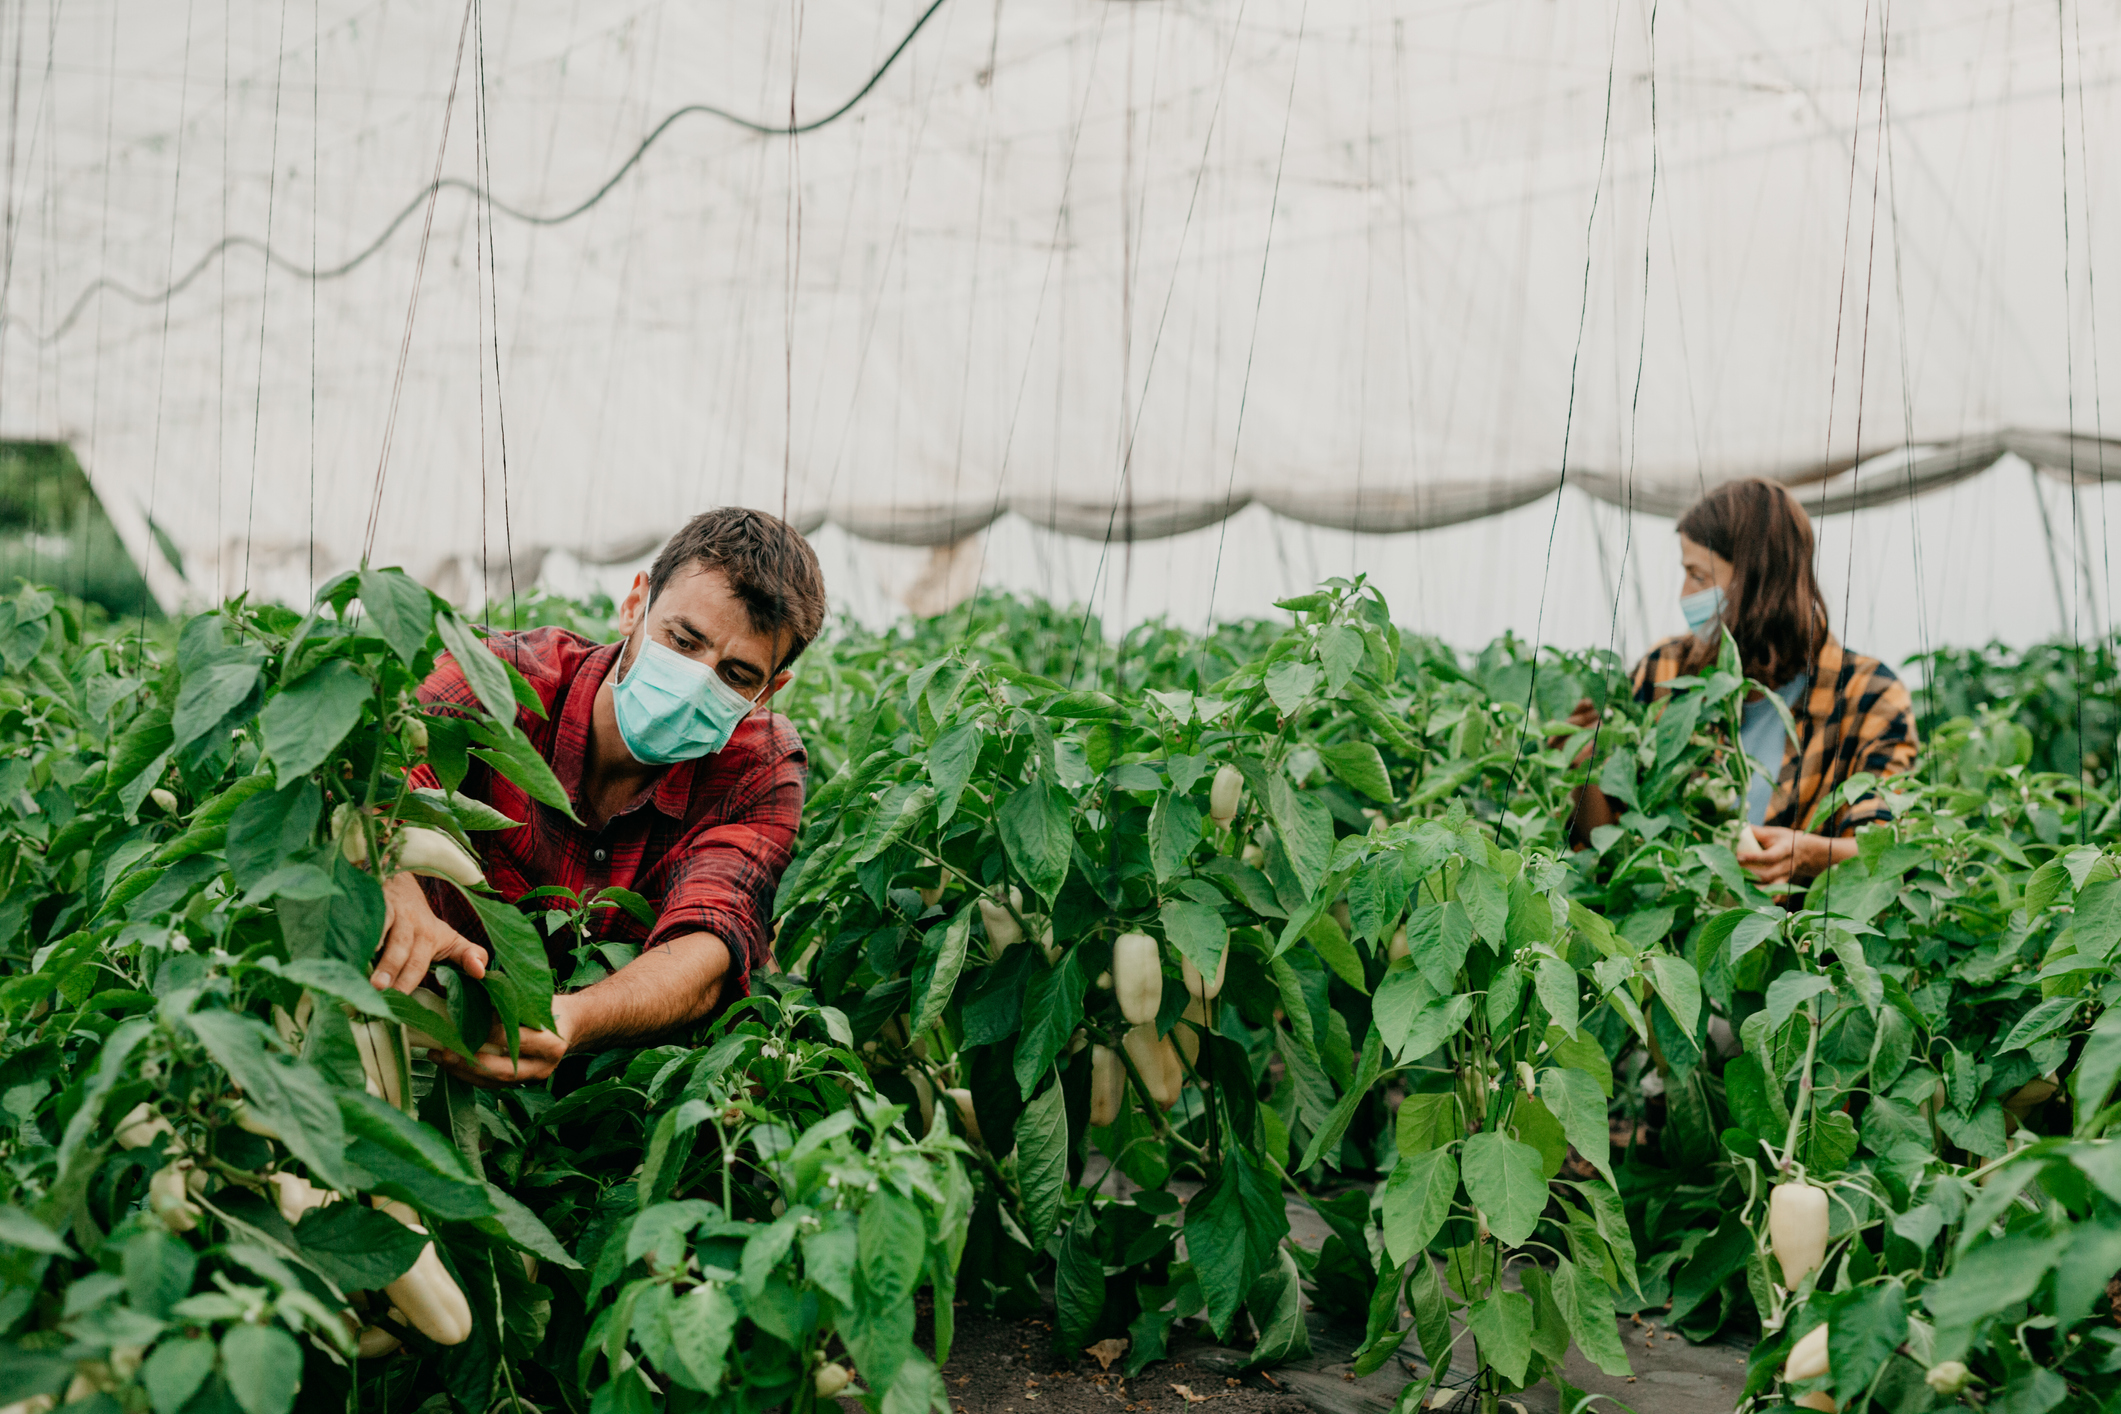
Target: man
<point>688,788</point>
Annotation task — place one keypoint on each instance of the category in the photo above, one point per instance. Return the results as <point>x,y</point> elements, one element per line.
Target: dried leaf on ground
<point>1106,1351</point>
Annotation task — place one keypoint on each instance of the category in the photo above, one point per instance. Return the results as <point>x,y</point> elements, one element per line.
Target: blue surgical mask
<point>671,709</point>
<point>1702,609</point>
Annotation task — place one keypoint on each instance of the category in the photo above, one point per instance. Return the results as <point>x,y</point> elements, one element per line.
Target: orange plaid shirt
<point>1856,716</point>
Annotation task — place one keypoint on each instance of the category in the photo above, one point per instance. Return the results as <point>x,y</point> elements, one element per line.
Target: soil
<point>1009,1367</point>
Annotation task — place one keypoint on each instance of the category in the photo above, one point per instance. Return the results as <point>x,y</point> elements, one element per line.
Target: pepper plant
<point>992,833</point>
<point>217,1188</point>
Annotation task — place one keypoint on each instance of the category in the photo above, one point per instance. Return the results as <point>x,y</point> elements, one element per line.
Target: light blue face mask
<point>1702,609</point>
<point>671,709</point>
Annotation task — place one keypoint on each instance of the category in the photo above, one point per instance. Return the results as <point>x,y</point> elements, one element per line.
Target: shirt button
<point>601,855</point>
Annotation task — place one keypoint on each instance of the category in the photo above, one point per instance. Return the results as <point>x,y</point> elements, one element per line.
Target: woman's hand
<point>414,940</point>
<point>1777,854</point>
<point>1582,715</point>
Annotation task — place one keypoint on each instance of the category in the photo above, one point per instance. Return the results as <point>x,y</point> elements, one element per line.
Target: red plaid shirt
<point>705,843</point>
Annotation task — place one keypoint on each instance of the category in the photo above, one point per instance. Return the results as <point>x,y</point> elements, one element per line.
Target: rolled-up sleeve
<point>722,877</point>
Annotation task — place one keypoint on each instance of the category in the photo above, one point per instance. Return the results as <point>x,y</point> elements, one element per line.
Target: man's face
<point>698,616</point>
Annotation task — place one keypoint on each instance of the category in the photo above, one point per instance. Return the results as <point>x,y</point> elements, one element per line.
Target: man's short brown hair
<point>770,567</point>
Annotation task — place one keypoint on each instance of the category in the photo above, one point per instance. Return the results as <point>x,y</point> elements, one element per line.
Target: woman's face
<point>1705,569</point>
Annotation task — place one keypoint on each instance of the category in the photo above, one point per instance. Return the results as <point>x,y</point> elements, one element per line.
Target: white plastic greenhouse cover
<point>1181,304</point>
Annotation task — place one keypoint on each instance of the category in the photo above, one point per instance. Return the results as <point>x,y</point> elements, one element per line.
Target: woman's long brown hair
<point>1773,608</point>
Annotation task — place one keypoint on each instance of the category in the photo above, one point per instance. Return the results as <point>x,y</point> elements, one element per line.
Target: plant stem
<point>1156,1114</point>
<point>1804,1081</point>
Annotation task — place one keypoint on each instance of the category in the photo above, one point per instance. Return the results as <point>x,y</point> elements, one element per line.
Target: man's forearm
<point>663,989</point>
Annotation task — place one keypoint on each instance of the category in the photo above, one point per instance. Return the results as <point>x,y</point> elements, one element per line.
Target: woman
<point>1747,550</point>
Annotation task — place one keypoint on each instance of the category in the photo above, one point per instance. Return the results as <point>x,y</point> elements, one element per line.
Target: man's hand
<point>666,987</point>
<point>537,1052</point>
<point>414,939</point>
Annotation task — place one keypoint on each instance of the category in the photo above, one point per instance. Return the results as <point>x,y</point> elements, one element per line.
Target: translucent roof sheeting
<point>1113,270</point>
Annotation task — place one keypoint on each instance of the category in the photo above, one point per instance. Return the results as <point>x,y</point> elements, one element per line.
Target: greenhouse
<point>1352,708</point>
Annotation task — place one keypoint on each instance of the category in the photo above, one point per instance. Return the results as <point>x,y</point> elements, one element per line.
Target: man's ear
<point>780,680</point>
<point>633,605</point>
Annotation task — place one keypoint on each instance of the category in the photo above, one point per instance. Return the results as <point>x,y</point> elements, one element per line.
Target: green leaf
<point>1042,1162</point>
<point>1037,830</point>
<point>1429,1028</point>
<point>1790,991</point>
<point>1053,1008</point>
<point>1305,828</point>
<point>401,609</point>
<point>426,1168</point>
<point>1438,937</point>
<point>471,814</point>
<point>173,1373</point>
<point>701,1324</point>
<point>1382,1336</point>
<point>1487,903</point>
<point>510,752</point>
<point>1358,766</point>
<point>1748,1092</point>
<point>1558,991</point>
<point>1330,943</point>
<point>1174,830</point>
<point>269,826</point>
<point>1862,1335</point>
<point>1992,1278</point>
<point>1892,1048</point>
<point>136,759</point>
<point>208,827</point>
<point>1432,1315</point>
<point>525,1229</point>
<point>1506,1182</point>
<point>1077,706</point>
<point>1417,1200</point>
<point>892,1242</point>
<point>1377,895</point>
<point>1576,1100</point>
<point>1079,1280</point>
<point>1531,1121</point>
<point>1503,1326</point>
<point>1289,683</point>
<point>208,695</point>
<point>1276,1305</point>
<point>1586,1302</point>
<point>485,674</point>
<point>2097,925</point>
<point>1428,1119</point>
<point>2046,1017</point>
<point>2098,1068</point>
<point>519,952</point>
<point>356,1246</point>
<point>935,975</point>
<point>1679,986</point>
<point>1325,1141</point>
<point>287,1094</point>
<point>1198,932</point>
<point>950,764</point>
<point>347,926</point>
<point>263,1367</point>
<point>19,1229</point>
<point>1340,648</point>
<point>1233,1226</point>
